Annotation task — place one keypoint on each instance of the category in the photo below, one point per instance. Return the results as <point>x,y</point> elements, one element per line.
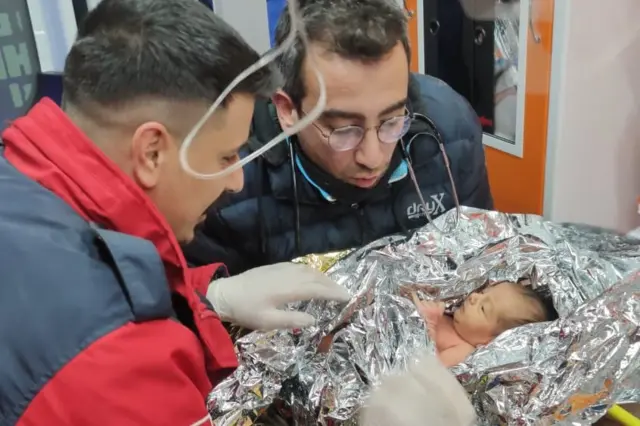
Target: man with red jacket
<point>101,320</point>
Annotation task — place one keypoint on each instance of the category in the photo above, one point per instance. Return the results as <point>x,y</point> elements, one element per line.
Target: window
<point>478,58</point>
<point>18,60</point>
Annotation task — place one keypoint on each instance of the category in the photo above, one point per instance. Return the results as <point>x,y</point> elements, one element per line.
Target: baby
<point>482,317</point>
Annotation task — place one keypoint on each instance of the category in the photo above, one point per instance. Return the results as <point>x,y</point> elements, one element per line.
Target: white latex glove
<point>253,299</point>
<point>426,395</point>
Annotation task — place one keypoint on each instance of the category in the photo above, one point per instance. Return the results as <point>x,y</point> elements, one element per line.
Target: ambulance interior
<point>554,83</point>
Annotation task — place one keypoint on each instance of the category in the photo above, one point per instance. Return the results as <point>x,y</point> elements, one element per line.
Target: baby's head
<point>496,309</point>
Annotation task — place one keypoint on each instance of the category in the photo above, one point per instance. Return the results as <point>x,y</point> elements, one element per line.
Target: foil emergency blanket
<point>565,372</point>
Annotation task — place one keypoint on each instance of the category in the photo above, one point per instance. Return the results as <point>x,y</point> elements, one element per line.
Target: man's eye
<point>230,159</point>
<point>339,126</point>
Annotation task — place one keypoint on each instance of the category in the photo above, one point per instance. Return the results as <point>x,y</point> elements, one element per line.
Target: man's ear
<point>149,148</point>
<point>287,114</point>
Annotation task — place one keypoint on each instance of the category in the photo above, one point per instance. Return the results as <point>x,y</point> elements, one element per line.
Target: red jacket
<point>156,372</point>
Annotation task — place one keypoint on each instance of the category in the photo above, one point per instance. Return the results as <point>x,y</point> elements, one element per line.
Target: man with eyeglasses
<point>345,181</point>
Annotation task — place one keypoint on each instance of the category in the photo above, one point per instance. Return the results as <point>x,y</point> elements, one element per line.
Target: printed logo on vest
<point>435,207</point>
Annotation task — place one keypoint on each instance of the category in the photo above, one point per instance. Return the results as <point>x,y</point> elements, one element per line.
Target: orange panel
<point>412,9</point>
<point>518,183</point>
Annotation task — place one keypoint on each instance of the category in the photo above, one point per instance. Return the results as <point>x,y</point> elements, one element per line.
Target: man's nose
<point>369,153</point>
<point>236,181</point>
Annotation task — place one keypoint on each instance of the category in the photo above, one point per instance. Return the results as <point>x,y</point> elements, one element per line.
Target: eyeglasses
<point>349,137</point>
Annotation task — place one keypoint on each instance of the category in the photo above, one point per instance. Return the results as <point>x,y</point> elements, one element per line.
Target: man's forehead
<point>346,79</point>
<point>334,112</point>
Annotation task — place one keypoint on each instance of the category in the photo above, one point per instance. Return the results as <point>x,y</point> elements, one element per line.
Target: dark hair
<point>549,313</point>
<point>364,30</point>
<point>172,49</point>
<point>545,309</point>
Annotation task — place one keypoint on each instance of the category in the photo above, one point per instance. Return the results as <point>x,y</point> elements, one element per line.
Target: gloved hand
<point>426,395</point>
<point>253,298</point>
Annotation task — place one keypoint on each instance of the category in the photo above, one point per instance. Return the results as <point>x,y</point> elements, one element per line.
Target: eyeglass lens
<point>349,137</point>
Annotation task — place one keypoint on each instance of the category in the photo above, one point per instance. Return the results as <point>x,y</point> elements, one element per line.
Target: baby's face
<point>482,316</point>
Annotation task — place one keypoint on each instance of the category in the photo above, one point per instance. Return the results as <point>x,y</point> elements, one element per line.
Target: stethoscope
<point>435,134</point>
<point>431,132</point>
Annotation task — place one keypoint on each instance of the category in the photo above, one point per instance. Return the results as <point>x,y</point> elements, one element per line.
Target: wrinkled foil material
<point>565,372</point>
<point>322,262</point>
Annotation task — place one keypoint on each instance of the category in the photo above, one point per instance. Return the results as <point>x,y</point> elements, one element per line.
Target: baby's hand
<point>431,311</point>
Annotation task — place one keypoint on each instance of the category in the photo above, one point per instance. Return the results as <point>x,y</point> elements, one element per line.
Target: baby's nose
<point>473,298</point>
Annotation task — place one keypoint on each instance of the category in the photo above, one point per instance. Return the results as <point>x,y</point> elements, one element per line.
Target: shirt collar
<point>398,174</point>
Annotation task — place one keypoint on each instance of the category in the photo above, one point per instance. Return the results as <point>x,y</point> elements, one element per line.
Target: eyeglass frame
<point>408,118</point>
